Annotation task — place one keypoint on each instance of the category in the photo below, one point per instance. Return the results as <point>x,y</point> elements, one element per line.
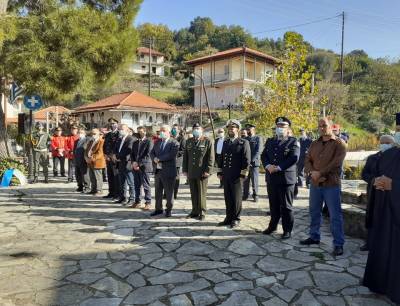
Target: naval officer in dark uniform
<point>198,162</point>
<point>279,158</point>
<point>233,168</point>
<point>256,145</point>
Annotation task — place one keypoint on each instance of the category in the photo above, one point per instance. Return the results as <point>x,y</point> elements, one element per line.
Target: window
<point>226,69</point>
<point>142,57</point>
<point>165,119</point>
<point>144,68</point>
<point>154,69</point>
<point>154,59</point>
<point>150,119</point>
<point>135,118</point>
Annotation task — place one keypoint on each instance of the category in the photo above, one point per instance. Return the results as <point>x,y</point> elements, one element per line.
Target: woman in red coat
<point>57,147</point>
<point>69,152</point>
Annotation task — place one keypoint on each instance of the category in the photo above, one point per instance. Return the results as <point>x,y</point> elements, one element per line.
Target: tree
<point>162,36</point>
<point>288,93</point>
<point>324,63</point>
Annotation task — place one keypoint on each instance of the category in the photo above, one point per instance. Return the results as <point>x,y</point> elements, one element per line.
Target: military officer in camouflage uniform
<point>40,146</point>
<point>233,168</point>
<point>279,158</point>
<point>198,160</point>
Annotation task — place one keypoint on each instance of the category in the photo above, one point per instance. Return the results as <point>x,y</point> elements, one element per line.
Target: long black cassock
<point>382,273</point>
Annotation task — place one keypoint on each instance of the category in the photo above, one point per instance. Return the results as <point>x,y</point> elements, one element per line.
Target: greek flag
<point>15,92</point>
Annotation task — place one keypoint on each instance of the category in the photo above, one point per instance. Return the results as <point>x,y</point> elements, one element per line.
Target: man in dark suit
<point>123,150</point>
<point>256,145</point>
<point>142,167</point>
<point>112,169</point>
<point>218,144</point>
<point>81,169</point>
<point>233,168</point>
<point>279,158</point>
<point>163,155</point>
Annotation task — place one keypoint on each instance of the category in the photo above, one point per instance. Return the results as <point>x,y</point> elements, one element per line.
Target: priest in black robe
<point>382,272</point>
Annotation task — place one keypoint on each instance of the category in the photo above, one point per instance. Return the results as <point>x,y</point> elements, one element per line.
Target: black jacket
<point>167,157</point>
<point>141,154</point>
<point>235,159</point>
<point>282,153</point>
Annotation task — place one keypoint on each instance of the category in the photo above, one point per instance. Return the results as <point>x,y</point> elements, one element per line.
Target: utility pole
<point>150,44</point>
<point>341,54</point>
<point>201,87</point>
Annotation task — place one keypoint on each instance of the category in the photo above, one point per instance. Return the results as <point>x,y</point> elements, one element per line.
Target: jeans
<point>332,197</point>
<point>126,177</point>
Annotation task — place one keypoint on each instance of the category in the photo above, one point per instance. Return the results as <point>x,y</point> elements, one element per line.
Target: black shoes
<point>191,216</point>
<point>337,251</point>
<point>268,231</point>
<point>224,223</point>
<point>286,235</point>
<point>255,199</point>
<point>309,241</point>
<point>156,213</point>
<point>80,190</point>
<point>120,201</point>
<point>108,196</point>
<point>234,224</point>
<point>168,214</point>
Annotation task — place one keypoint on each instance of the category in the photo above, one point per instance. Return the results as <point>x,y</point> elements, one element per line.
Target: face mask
<point>174,132</point>
<point>221,135</point>
<point>397,137</point>
<point>162,135</point>
<point>82,136</point>
<point>196,133</point>
<point>385,146</point>
<point>279,131</point>
<point>122,133</point>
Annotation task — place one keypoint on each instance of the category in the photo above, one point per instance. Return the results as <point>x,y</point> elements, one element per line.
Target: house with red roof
<point>142,63</point>
<point>229,74</point>
<point>131,108</point>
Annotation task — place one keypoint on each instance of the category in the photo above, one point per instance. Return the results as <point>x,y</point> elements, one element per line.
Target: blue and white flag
<point>15,92</point>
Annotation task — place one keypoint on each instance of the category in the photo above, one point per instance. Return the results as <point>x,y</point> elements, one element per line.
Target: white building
<point>131,108</point>
<point>228,74</point>
<point>141,66</point>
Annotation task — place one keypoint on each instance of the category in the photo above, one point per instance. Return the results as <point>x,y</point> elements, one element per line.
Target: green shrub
<point>10,163</point>
<point>363,142</point>
<point>352,172</point>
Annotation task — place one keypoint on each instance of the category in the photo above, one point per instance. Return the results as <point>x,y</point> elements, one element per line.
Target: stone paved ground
<point>63,248</point>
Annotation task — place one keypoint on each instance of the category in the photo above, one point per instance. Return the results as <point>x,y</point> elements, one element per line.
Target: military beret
<point>196,125</point>
<point>112,120</point>
<point>234,122</point>
<point>249,125</point>
<point>283,120</point>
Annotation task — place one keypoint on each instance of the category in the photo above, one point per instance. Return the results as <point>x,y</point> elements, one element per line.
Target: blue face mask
<point>174,132</point>
<point>397,137</point>
<point>196,133</point>
<point>280,131</point>
<point>162,135</point>
<point>385,146</point>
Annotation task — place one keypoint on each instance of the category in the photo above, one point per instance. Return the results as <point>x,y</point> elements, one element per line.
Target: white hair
<point>386,137</point>
<point>165,127</point>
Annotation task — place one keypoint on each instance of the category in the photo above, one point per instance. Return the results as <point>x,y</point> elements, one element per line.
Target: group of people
<point>129,158</point>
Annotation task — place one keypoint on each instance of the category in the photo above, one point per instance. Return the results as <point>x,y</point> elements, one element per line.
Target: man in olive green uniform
<point>198,160</point>
<point>40,145</point>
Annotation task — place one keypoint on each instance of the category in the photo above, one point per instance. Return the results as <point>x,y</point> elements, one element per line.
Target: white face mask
<point>122,133</point>
<point>385,146</point>
<point>397,137</point>
<point>221,135</point>
<point>280,132</point>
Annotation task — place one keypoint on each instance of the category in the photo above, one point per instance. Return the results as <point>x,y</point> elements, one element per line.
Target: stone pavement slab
<point>59,247</point>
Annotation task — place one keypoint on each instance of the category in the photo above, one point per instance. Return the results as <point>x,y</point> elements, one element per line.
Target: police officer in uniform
<point>198,161</point>
<point>256,145</point>
<point>233,168</point>
<point>279,158</point>
<point>110,141</point>
<point>40,146</point>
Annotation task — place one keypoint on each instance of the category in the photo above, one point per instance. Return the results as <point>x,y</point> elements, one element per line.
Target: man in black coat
<point>368,174</point>
<point>122,151</point>
<point>112,169</point>
<point>142,167</point>
<point>81,170</point>
<point>279,158</point>
<point>163,155</point>
<point>233,168</point>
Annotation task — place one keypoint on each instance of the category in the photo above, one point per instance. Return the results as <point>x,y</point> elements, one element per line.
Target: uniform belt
<point>40,150</point>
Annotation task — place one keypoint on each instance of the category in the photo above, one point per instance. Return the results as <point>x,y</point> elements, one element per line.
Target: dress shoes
<point>168,214</point>
<point>286,235</point>
<point>268,231</point>
<point>224,223</point>
<point>337,251</point>
<point>191,215</point>
<point>309,241</point>
<point>156,213</point>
